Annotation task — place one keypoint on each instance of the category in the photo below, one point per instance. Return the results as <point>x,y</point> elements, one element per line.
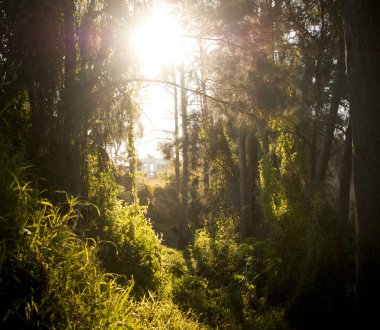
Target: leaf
<point>46,203</point>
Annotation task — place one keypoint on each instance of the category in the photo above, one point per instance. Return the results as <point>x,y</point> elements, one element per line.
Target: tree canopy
<point>264,213</point>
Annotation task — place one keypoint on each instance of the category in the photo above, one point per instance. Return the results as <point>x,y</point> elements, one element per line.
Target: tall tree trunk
<point>254,219</point>
<point>317,120</point>
<point>176,148</point>
<point>337,94</point>
<point>40,63</point>
<point>132,153</point>
<point>343,226</point>
<point>362,31</point>
<point>319,86</point>
<point>184,221</point>
<point>38,125</point>
<point>243,184</point>
<point>205,120</point>
<point>71,111</point>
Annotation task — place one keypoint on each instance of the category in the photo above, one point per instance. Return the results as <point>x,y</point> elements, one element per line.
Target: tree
<point>362,29</point>
<point>343,227</point>
<point>176,151</point>
<point>338,91</point>
<point>71,108</point>
<point>184,221</point>
<point>205,116</point>
<point>242,140</point>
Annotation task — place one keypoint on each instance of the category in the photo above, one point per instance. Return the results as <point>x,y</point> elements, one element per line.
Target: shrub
<point>214,250</point>
<point>50,277</point>
<point>130,246</point>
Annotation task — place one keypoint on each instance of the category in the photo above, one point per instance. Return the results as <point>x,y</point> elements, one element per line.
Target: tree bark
<point>184,221</point>
<point>71,113</point>
<point>320,78</point>
<point>254,219</point>
<point>362,31</point>
<point>205,121</point>
<point>343,226</point>
<point>176,147</point>
<point>317,120</point>
<point>337,94</point>
<point>243,184</point>
<point>132,153</point>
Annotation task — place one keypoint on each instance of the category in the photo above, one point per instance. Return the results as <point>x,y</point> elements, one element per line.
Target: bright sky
<point>158,43</point>
<point>157,119</point>
<point>157,40</point>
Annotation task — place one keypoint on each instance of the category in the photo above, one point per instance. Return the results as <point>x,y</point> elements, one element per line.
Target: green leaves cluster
<point>221,278</point>
<point>51,275</point>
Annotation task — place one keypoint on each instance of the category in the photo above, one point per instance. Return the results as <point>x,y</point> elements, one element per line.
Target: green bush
<point>51,278</point>
<point>153,313</point>
<point>214,250</point>
<point>130,246</point>
<point>160,196</point>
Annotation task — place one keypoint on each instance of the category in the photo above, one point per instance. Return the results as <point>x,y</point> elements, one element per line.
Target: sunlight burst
<point>157,41</point>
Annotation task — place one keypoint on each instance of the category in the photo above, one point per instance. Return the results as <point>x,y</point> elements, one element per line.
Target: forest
<point>266,214</point>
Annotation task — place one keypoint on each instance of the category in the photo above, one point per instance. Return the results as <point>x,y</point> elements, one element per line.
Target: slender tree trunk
<point>253,172</point>
<point>176,147</point>
<point>132,154</point>
<point>35,141</point>
<point>71,113</point>
<point>319,85</point>
<point>184,221</point>
<point>317,120</point>
<point>85,186</point>
<point>337,93</point>
<point>343,226</point>
<point>243,184</point>
<point>205,120</point>
<point>362,31</point>
<point>37,64</point>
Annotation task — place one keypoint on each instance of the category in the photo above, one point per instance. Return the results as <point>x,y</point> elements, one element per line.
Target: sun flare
<point>158,41</point>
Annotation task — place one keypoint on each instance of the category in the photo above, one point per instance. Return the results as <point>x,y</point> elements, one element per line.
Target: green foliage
<point>66,98</point>
<point>103,189</point>
<point>152,313</point>
<point>161,199</point>
<point>130,246</point>
<point>273,319</point>
<point>282,176</point>
<point>203,285</point>
<point>12,170</point>
<point>51,278</point>
<point>220,280</point>
<point>215,255</point>
<point>317,279</point>
<point>300,252</point>
<point>212,303</point>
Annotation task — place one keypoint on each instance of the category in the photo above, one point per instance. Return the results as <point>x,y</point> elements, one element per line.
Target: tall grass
<point>51,277</point>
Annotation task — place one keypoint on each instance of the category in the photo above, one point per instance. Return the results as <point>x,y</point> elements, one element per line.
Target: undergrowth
<point>51,276</point>
<point>219,278</point>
